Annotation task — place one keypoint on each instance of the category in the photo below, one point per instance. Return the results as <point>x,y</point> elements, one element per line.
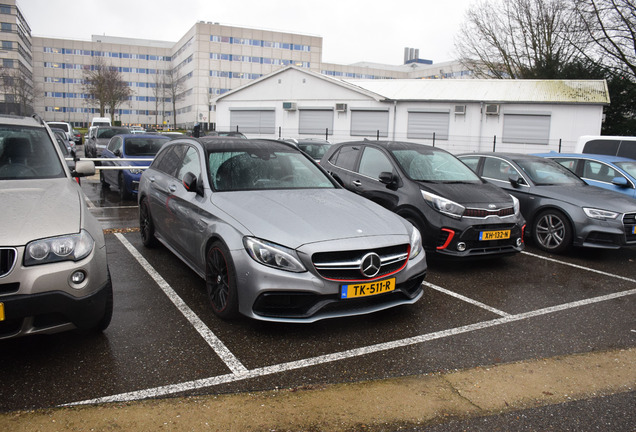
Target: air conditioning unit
<point>289,106</point>
<point>460,109</point>
<point>492,109</point>
<point>341,107</point>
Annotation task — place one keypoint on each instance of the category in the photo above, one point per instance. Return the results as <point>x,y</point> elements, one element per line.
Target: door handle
<point>357,183</point>
<point>172,188</point>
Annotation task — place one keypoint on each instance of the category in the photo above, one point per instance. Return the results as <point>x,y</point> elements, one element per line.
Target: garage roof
<point>489,90</point>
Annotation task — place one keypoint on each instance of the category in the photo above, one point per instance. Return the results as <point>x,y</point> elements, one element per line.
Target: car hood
<point>297,217</point>
<point>35,209</point>
<point>470,194</point>
<point>589,196</point>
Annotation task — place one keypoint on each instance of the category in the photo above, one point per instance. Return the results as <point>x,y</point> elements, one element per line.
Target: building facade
<point>209,60</point>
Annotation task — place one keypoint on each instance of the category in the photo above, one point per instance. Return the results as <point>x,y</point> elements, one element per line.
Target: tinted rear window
<point>627,149</point>
<point>602,146</point>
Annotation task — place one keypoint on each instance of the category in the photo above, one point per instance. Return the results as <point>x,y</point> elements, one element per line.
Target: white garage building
<point>457,115</point>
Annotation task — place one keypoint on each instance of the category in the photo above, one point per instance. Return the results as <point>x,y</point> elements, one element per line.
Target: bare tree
<point>19,90</point>
<point>106,86</point>
<point>174,85</point>
<point>518,38</point>
<point>158,92</point>
<point>610,28</point>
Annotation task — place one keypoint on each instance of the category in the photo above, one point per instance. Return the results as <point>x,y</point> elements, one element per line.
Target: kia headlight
<point>443,205</point>
<point>600,214</point>
<point>273,255</point>
<point>72,247</point>
<point>515,204</point>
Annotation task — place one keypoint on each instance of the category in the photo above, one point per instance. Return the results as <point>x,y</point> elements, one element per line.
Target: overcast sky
<point>352,30</point>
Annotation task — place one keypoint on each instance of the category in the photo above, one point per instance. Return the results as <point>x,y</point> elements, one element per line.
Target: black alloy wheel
<point>220,281</point>
<point>146,226</point>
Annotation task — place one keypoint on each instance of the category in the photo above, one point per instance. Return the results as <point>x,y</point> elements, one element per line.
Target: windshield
<point>315,150</point>
<point>111,132</point>
<point>143,146</point>
<point>28,153</point>
<point>545,172</point>
<point>431,165</point>
<point>260,169</point>
<point>628,167</point>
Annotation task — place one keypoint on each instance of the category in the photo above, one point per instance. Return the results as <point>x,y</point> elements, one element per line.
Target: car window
<point>191,163</point>
<point>628,167</point>
<point>169,161</point>
<point>426,164</point>
<point>499,169</point>
<point>602,146</point>
<point>471,161</point>
<point>316,151</point>
<point>111,132</point>
<point>373,162</point>
<point>28,153</point>
<point>567,163</point>
<point>627,149</point>
<point>143,146</point>
<point>546,172</point>
<point>346,157</point>
<point>594,170</point>
<point>232,170</point>
<point>114,144</point>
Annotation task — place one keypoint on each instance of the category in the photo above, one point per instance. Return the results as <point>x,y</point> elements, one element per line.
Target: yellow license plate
<point>494,235</point>
<point>367,289</point>
<point>1,311</point>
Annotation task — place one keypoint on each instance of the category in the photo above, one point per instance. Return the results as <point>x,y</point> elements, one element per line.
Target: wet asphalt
<point>529,306</point>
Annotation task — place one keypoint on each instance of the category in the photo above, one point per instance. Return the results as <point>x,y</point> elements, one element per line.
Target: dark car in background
<point>458,214</point>
<point>561,209</point>
<point>120,149</point>
<point>609,172</point>
<point>53,263</point>
<point>274,237</point>
<point>314,147</point>
<point>99,137</point>
<point>227,134</point>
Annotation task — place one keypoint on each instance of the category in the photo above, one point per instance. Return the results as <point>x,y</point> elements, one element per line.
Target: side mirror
<point>620,182</point>
<point>515,180</point>
<point>191,183</point>
<point>83,169</point>
<point>389,179</point>
<point>117,153</point>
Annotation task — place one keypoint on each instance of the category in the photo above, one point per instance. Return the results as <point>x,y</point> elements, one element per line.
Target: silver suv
<point>53,269</point>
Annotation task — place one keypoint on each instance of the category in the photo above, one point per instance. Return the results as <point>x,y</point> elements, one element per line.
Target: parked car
<point>99,137</point>
<point>130,146</point>
<point>62,140</point>
<point>561,209</point>
<point>314,147</point>
<point>66,127</point>
<point>173,134</point>
<point>623,146</point>
<point>77,137</point>
<point>53,263</point>
<point>458,214</point>
<point>609,172</point>
<point>274,236</point>
<point>233,134</point>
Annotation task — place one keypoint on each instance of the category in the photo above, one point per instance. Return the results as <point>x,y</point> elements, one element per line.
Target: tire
<point>103,181</point>
<point>552,231</point>
<point>146,226</point>
<point>123,192</point>
<point>220,281</point>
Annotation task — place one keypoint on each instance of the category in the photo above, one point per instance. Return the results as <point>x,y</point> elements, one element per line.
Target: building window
<point>369,123</point>
<point>428,125</point>
<point>526,128</point>
<point>6,27</point>
<point>315,122</point>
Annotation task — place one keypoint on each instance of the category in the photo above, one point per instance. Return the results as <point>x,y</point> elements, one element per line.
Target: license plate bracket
<point>494,235</point>
<point>367,289</point>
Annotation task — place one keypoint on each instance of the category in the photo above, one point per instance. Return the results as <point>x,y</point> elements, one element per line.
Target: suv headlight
<point>599,214</point>
<point>416,243</point>
<point>72,247</point>
<point>443,205</point>
<point>273,255</point>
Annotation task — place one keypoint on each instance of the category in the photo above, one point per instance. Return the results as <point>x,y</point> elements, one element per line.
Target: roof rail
<point>38,118</point>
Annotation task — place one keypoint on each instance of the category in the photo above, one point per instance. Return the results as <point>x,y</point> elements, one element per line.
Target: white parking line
<point>466,299</point>
<point>579,267</point>
<point>318,360</point>
<point>221,350</point>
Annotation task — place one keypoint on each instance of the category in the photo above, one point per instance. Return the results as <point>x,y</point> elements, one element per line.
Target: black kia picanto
<point>458,213</point>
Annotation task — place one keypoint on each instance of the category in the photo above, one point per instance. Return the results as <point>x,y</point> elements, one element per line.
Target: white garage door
<point>315,121</point>
<point>260,121</point>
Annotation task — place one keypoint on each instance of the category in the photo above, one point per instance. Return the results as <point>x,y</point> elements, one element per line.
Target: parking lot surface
<point>164,341</point>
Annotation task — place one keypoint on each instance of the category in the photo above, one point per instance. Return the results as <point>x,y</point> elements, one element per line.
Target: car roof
<point>144,135</point>
<point>391,145</point>
<point>20,120</point>
<point>504,155</point>
<point>598,157</point>
<point>230,143</point>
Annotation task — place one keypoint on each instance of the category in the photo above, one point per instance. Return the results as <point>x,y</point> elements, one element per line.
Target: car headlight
<point>273,255</point>
<point>72,247</point>
<point>599,214</point>
<point>416,243</point>
<point>443,205</point>
<point>515,204</point>
<point>135,171</point>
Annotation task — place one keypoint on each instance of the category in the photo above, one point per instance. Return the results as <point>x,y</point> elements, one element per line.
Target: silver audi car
<point>53,267</point>
<point>273,235</point>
